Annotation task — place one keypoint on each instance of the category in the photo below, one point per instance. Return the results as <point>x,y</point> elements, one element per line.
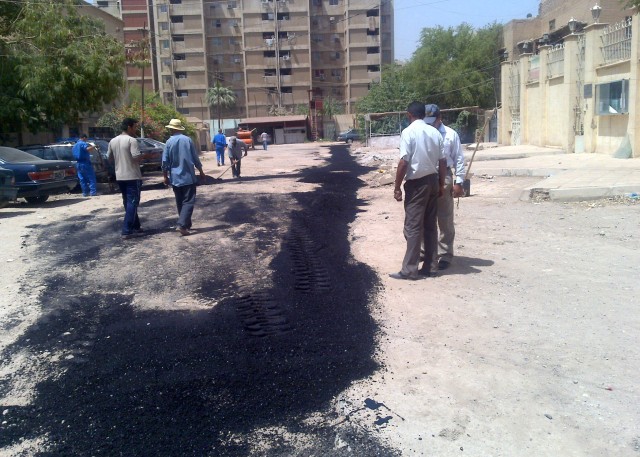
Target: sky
<point>411,16</point>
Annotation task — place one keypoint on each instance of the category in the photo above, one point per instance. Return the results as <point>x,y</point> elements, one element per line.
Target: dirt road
<point>274,330</point>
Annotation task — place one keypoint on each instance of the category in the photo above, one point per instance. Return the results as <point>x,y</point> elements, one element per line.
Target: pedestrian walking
<point>220,143</point>
<point>453,185</point>
<point>86,175</point>
<point>422,167</point>
<point>235,150</point>
<point>264,137</point>
<point>179,161</point>
<point>124,151</point>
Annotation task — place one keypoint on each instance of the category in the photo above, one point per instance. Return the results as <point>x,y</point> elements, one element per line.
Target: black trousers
<point>185,202</point>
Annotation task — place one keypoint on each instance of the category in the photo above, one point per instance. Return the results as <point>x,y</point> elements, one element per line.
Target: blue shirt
<point>80,152</point>
<point>180,158</point>
<point>220,141</point>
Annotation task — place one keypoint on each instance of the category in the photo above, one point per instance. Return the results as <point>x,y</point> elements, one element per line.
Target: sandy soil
<point>528,345</point>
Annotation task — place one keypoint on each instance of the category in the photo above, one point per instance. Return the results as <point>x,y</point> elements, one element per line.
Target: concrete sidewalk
<point>564,177</point>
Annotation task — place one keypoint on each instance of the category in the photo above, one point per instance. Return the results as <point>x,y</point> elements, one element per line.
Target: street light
<point>573,24</point>
<point>595,13</point>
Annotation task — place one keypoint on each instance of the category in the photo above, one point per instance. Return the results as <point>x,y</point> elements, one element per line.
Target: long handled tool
<point>467,182</point>
<point>220,176</point>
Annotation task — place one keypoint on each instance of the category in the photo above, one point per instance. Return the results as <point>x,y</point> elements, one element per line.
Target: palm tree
<point>220,97</point>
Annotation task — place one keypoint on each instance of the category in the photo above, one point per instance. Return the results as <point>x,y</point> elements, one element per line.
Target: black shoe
<point>443,265</point>
<point>400,275</point>
<point>426,273</point>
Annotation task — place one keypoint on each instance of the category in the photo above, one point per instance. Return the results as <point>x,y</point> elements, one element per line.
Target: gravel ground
<point>275,331</point>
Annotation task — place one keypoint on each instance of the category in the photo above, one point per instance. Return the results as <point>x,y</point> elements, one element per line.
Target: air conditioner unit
<point>286,57</point>
<point>236,24</point>
<point>237,60</point>
<point>269,42</point>
<point>332,19</point>
<point>229,6</point>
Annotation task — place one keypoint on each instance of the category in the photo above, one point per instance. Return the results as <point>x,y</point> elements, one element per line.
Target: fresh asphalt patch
<point>223,343</point>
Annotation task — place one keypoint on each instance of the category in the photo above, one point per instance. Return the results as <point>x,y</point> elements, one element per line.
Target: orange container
<point>246,136</point>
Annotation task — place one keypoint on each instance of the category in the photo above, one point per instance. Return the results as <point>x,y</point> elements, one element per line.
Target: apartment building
<point>275,55</point>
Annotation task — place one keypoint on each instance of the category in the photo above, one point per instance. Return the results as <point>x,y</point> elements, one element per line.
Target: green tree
<point>457,66</point>
<point>220,97</point>
<point>393,93</point>
<point>332,107</point>
<point>54,64</point>
<point>156,116</point>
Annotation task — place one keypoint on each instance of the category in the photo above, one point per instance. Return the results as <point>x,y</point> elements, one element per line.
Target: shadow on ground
<point>286,328</point>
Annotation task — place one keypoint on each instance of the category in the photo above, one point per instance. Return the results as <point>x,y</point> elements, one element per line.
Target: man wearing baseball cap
<point>179,161</point>
<point>453,184</point>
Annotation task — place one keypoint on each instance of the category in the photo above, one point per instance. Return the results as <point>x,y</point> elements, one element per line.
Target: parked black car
<point>8,190</point>
<point>147,146</point>
<point>36,178</point>
<point>349,136</point>
<point>154,149</point>
<point>64,151</point>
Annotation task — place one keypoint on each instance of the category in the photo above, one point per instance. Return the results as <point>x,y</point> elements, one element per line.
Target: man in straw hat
<point>179,161</point>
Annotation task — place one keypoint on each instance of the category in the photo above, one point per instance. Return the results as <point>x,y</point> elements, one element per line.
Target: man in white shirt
<point>125,152</point>
<point>453,185</point>
<point>421,158</point>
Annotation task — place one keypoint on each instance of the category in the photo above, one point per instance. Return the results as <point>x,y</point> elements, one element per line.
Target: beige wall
<point>548,106</point>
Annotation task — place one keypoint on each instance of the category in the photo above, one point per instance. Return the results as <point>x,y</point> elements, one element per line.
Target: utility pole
<point>144,48</point>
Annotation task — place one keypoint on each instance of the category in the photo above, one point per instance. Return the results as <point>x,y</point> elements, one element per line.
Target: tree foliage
<point>156,116</point>
<point>457,66</point>
<point>220,98</point>
<point>54,64</point>
<point>394,92</point>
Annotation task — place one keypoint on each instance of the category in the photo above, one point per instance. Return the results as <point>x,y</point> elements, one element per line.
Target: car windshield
<point>12,155</point>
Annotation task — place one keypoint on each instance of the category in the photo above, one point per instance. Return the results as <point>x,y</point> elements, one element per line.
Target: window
<point>103,3</point>
<point>336,72</point>
<point>333,2</point>
<point>164,26</point>
<point>286,90</point>
<point>267,54</point>
<point>234,41</point>
<point>168,96</point>
<point>336,56</point>
<point>176,19</point>
<point>216,41</point>
<point>267,35</point>
<point>373,32</point>
<point>283,35</point>
<point>183,110</point>
<point>182,93</point>
<point>181,75</point>
<point>166,79</point>
<point>166,62</point>
<point>217,59</point>
<point>317,3</point>
<point>283,16</point>
<point>163,8</point>
<point>175,2</point>
<point>237,58</point>
<point>373,13</point>
<point>179,57</point>
<point>177,38</point>
<point>234,23</point>
<point>285,55</point>
<point>267,16</point>
<point>552,25</point>
<point>270,72</point>
<point>164,44</point>
<point>318,73</point>
<point>373,68</point>
<point>285,71</point>
<point>373,50</point>
<point>218,23</point>
<point>237,76</point>
<point>612,98</point>
<point>232,4</point>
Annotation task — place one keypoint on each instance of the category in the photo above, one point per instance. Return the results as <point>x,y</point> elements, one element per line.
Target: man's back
<point>124,149</point>
<point>421,146</point>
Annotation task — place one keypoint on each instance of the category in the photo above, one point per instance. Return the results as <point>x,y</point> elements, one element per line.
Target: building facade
<point>570,78</point>
<point>275,55</point>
